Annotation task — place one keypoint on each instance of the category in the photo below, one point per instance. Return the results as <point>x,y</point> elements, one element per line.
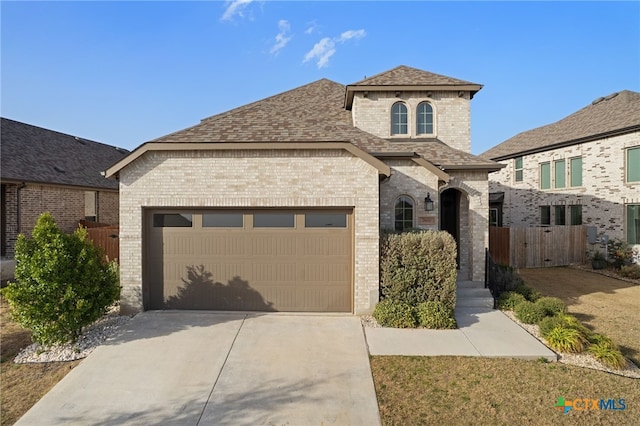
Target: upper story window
<point>403,218</point>
<point>633,164</point>
<point>559,174</point>
<point>519,171</point>
<point>399,119</point>
<point>575,171</point>
<point>425,119</point>
<point>545,176</point>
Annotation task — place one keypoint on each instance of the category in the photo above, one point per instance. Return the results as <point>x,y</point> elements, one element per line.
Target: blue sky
<point>123,73</point>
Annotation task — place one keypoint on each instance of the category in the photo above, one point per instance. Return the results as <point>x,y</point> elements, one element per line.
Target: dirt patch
<point>22,384</point>
<point>606,305</point>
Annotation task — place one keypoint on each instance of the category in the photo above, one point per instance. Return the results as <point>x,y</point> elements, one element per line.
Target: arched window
<point>399,119</point>
<point>403,213</point>
<point>425,119</point>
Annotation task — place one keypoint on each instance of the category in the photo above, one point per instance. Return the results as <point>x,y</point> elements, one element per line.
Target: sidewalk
<point>481,332</point>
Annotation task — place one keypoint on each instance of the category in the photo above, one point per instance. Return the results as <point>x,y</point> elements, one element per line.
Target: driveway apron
<point>211,368</point>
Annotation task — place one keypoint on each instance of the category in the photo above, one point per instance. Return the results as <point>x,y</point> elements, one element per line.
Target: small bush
<point>620,253</point>
<point>396,314</point>
<point>528,312</point>
<point>551,305</point>
<point>61,283</point>
<point>507,279</point>
<point>547,324</point>
<point>529,293</point>
<point>418,267</point>
<point>508,300</point>
<point>599,339</point>
<point>435,315</point>
<point>608,354</point>
<point>631,271</point>
<point>569,340</point>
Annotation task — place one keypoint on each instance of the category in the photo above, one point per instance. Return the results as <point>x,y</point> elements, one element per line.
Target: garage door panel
<point>246,268</point>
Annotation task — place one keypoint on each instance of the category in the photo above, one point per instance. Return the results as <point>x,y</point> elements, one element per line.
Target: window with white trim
<point>518,168</point>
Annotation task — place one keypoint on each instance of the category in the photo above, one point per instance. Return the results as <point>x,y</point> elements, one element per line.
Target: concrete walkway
<point>211,368</point>
<point>481,332</point>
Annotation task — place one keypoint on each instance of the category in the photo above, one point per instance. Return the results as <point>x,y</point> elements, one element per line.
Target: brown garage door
<point>259,260</point>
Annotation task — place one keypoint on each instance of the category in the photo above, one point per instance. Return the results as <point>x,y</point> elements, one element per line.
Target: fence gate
<point>538,247</point>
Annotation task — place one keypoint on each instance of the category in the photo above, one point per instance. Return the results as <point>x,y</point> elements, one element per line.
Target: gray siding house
<point>279,204</point>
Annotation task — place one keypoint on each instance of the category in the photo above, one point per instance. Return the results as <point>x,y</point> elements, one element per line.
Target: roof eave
<point>113,171</point>
<point>353,88</point>
<point>571,142</point>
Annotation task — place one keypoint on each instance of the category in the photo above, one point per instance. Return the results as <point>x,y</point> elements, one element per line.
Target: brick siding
<point>248,179</point>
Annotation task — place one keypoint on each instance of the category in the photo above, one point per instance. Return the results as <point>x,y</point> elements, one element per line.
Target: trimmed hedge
<point>435,315</point>
<point>396,314</point>
<point>417,267</point>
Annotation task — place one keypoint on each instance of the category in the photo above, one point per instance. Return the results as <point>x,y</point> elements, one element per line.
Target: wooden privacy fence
<point>538,247</point>
<point>105,237</point>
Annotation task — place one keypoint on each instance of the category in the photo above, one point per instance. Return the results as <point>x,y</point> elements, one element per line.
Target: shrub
<point>508,300</point>
<point>620,253</point>
<point>529,293</point>
<point>599,339</point>
<point>547,324</point>
<point>506,279</point>
<point>551,305</point>
<point>61,284</point>
<point>393,313</point>
<point>418,267</point>
<point>435,315</point>
<point>565,339</point>
<point>608,354</point>
<point>631,271</point>
<point>528,312</point>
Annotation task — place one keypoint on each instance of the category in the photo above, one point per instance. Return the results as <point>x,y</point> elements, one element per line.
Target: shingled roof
<point>407,78</point>
<point>37,155</point>
<point>615,114</point>
<point>313,113</point>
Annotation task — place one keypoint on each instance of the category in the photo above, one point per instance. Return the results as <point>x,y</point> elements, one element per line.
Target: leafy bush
<point>396,314</point>
<point>529,293</point>
<point>508,300</point>
<point>506,279</point>
<point>61,284</point>
<point>529,313</point>
<point>608,354</point>
<point>565,339</point>
<point>418,267</point>
<point>620,253</point>
<point>631,271</point>
<point>435,315</point>
<point>551,305</point>
<point>548,323</point>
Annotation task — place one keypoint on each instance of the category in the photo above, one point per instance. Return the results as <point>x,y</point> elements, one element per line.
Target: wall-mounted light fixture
<point>428,203</point>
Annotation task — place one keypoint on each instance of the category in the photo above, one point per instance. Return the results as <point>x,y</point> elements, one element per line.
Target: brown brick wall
<point>65,204</point>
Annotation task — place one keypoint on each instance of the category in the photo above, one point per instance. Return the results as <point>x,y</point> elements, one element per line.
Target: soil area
<point>604,304</point>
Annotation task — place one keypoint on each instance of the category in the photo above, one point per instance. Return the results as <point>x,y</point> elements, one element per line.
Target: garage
<point>249,260</point>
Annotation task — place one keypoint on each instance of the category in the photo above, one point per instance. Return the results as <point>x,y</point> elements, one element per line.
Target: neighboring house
<point>583,169</point>
<point>43,170</point>
<point>278,204</point>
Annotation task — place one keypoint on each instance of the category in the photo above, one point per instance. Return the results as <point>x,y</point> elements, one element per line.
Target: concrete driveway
<point>210,368</point>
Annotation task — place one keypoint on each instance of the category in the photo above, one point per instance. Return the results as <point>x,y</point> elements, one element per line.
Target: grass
<point>487,391</point>
<point>22,385</point>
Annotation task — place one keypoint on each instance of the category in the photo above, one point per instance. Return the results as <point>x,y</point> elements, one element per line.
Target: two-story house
<point>583,169</point>
<point>279,204</point>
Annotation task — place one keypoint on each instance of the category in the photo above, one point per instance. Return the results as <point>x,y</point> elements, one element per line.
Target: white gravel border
<point>92,337</point>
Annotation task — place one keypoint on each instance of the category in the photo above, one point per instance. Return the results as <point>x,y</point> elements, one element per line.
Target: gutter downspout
<point>18,212</point>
